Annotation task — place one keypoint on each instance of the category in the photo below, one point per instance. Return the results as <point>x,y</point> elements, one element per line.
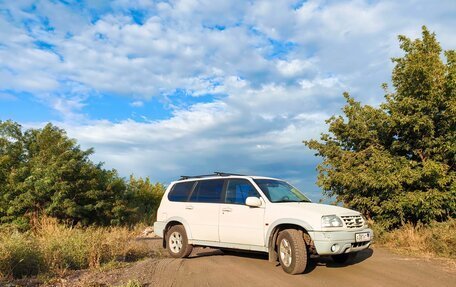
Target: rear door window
<point>209,191</point>
<point>181,191</point>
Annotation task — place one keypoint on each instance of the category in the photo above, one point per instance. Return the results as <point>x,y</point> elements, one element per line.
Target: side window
<point>238,190</point>
<point>181,191</point>
<point>208,191</point>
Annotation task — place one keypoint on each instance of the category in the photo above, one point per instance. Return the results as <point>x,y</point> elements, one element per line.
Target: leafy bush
<point>144,197</point>
<point>396,163</point>
<point>19,255</point>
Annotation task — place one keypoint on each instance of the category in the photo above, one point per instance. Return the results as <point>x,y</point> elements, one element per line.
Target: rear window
<point>181,191</point>
<point>208,191</point>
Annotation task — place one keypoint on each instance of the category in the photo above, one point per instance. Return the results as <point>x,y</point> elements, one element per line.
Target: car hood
<point>317,208</point>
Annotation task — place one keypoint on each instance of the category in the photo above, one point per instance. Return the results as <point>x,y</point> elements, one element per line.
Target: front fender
<point>292,221</point>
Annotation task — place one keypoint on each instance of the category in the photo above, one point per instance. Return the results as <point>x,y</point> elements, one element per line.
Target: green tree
<point>11,162</point>
<point>42,171</point>
<point>396,163</point>
<point>144,198</point>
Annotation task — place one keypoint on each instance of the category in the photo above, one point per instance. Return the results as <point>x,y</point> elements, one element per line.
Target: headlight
<point>331,221</point>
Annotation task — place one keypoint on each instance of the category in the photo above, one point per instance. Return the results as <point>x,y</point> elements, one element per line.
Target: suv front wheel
<point>177,242</point>
<point>292,251</point>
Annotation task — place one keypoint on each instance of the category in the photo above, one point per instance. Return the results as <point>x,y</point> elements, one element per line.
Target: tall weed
<point>54,248</point>
<point>435,239</point>
<point>19,255</point>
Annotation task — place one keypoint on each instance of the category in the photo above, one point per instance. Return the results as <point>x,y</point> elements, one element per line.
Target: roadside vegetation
<point>51,249</point>
<point>59,211</point>
<point>43,172</point>
<point>396,163</point>
<point>436,239</point>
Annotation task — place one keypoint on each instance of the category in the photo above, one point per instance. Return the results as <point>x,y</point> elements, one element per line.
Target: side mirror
<point>253,201</point>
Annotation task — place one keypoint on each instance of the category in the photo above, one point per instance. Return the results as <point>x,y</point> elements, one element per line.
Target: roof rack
<point>194,176</point>
<point>216,173</point>
<point>227,173</point>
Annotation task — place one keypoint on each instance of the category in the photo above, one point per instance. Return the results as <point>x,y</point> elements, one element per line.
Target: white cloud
<point>137,104</point>
<point>177,47</point>
<point>278,71</point>
<point>68,106</point>
<point>294,67</point>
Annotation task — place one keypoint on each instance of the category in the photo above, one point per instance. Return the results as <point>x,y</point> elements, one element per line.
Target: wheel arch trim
<point>180,220</point>
<point>292,221</point>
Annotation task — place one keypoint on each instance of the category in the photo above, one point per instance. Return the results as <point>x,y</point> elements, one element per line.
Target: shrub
<point>19,255</point>
<point>63,247</point>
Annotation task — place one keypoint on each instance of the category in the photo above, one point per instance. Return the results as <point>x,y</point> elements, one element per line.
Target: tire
<point>292,251</point>
<point>343,258</point>
<point>177,242</point>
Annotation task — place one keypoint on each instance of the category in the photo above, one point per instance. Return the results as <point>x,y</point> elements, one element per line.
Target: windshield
<point>280,191</point>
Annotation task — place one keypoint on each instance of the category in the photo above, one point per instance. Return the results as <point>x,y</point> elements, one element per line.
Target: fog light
<point>335,247</point>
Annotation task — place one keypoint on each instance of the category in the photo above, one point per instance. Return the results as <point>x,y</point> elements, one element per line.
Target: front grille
<point>353,221</point>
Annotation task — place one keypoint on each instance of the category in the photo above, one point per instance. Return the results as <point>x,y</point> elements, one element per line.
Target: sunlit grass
<point>437,239</point>
<point>54,248</point>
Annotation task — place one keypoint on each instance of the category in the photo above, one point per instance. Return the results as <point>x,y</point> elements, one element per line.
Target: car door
<point>202,209</point>
<point>177,202</point>
<point>239,223</point>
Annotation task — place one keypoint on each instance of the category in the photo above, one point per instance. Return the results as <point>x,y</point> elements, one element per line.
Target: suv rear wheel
<point>177,242</point>
<point>292,251</point>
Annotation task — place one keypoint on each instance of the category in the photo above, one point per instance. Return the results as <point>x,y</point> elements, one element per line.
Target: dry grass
<point>54,248</point>
<point>19,255</point>
<point>131,283</point>
<point>435,240</point>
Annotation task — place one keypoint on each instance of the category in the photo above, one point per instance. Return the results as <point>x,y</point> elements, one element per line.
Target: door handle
<point>226,209</point>
<point>189,207</point>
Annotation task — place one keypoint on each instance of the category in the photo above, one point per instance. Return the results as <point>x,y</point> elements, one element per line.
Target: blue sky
<point>164,88</point>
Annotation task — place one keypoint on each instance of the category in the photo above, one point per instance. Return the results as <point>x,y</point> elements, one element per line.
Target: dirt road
<point>210,267</point>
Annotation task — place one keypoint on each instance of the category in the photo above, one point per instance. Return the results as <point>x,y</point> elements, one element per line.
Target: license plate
<point>361,237</point>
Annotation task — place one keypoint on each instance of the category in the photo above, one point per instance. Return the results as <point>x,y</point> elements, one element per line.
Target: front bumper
<point>345,240</point>
<point>159,227</point>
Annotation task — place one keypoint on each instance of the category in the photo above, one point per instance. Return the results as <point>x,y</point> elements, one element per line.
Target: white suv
<point>231,211</point>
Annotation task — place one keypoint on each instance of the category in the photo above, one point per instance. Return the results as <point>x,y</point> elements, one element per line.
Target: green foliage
<point>19,255</point>
<point>145,198</point>
<point>43,172</point>
<point>396,163</point>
